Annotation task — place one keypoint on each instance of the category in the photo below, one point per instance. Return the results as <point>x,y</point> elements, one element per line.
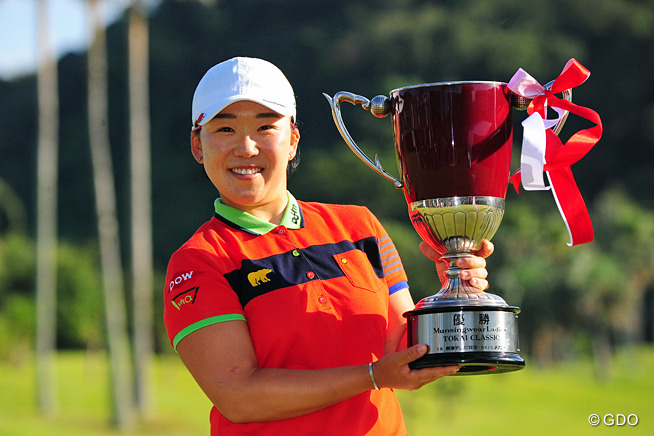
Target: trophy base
<point>480,339</point>
<point>472,363</point>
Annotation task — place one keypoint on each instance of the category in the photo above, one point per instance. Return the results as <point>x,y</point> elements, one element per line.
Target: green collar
<point>292,218</point>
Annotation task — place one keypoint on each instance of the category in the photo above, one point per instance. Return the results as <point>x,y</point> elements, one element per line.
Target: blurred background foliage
<point>586,299</point>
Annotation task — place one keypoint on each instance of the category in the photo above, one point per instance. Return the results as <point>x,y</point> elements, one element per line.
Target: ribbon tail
<point>581,142</point>
<point>571,206</point>
<point>515,180</point>
<point>534,142</point>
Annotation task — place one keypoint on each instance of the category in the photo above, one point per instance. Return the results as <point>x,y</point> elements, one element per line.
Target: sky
<point>68,27</point>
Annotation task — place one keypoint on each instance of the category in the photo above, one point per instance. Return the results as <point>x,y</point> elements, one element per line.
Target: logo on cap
<point>200,118</point>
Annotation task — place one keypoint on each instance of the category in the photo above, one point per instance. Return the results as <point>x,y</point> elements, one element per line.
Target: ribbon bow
<point>543,151</point>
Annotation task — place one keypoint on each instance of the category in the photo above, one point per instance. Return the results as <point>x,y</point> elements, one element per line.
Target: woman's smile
<point>246,171</point>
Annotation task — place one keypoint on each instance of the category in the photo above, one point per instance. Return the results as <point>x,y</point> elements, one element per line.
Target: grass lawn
<point>179,406</point>
<point>553,401</point>
<point>556,400</point>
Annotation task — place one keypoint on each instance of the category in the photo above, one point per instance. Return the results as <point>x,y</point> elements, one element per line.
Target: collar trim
<point>292,219</point>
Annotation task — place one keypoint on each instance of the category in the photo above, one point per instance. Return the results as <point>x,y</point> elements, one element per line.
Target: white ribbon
<point>532,157</point>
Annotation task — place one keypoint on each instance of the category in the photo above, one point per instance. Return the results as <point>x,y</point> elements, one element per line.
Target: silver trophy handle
<point>567,95</point>
<point>380,106</point>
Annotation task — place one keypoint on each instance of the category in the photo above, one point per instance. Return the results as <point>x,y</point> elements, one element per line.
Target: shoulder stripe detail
<point>203,323</point>
<point>385,244</point>
<point>394,270</point>
<point>391,261</point>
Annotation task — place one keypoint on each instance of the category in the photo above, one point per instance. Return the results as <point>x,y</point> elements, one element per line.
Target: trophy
<point>453,147</point>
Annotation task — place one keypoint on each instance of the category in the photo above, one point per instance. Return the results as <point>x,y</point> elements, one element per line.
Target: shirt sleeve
<point>196,295</point>
<point>392,266</point>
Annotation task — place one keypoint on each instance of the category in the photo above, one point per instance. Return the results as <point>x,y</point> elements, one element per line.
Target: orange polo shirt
<point>314,292</point>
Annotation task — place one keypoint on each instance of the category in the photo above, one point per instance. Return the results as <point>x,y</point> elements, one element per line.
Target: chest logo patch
<point>258,277</point>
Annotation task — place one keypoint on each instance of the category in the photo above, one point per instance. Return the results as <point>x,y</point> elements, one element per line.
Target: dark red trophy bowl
<point>453,145</point>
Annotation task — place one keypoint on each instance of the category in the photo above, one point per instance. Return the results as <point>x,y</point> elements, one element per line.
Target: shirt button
<point>296,252</point>
<point>311,274</point>
<point>281,231</point>
<point>322,300</point>
<point>343,260</point>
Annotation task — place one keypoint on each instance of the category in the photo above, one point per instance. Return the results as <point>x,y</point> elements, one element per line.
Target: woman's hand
<point>474,268</point>
<point>392,370</point>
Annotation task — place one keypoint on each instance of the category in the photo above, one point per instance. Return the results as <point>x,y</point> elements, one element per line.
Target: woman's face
<point>245,150</point>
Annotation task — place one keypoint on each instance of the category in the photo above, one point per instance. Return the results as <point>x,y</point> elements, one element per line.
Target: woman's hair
<point>295,162</point>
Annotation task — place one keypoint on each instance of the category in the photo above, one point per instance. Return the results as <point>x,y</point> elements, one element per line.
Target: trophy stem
<point>458,291</point>
<point>454,287</point>
<point>455,226</point>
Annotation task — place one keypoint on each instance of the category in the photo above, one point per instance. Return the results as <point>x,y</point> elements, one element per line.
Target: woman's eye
<point>225,129</point>
<point>266,127</point>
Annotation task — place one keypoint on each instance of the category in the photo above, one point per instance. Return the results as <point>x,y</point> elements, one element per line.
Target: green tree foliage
<point>369,48</point>
<point>597,290</point>
<point>79,298</point>
<point>17,312</point>
<point>619,267</point>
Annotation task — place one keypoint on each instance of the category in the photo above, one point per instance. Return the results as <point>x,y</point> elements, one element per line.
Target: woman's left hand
<point>474,267</point>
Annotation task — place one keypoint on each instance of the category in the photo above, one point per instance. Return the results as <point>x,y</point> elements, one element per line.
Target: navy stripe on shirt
<point>260,276</point>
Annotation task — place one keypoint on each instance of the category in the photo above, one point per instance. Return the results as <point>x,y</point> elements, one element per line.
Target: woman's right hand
<point>392,370</point>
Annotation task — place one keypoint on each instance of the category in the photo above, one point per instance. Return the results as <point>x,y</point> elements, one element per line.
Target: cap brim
<point>213,110</point>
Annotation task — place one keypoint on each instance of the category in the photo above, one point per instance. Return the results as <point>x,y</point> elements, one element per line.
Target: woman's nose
<point>246,146</point>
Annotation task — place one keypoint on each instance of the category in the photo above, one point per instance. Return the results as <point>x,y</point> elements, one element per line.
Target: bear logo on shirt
<point>258,277</point>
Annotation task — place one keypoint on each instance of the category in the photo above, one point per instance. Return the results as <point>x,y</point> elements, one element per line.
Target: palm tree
<point>141,201</point>
<point>105,200</point>
<point>46,260</point>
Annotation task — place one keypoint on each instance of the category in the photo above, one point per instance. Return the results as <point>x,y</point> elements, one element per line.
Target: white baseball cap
<point>238,79</point>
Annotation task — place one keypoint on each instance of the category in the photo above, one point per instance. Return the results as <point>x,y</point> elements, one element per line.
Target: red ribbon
<point>560,157</point>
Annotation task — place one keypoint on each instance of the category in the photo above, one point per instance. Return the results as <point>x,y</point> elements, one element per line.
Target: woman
<point>288,314</point>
